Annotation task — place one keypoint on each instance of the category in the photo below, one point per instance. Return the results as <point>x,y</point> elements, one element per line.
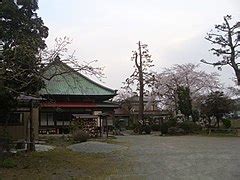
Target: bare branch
<point>227,41</point>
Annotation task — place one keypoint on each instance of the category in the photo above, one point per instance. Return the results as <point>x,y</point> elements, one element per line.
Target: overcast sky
<point>108,30</point>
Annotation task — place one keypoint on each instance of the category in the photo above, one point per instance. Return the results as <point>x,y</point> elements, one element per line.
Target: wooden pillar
<point>27,138</point>
<point>62,114</point>
<point>106,126</point>
<point>100,126</point>
<point>70,120</point>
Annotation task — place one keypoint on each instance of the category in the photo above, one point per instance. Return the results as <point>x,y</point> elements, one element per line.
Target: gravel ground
<point>38,148</point>
<point>181,157</point>
<point>42,148</point>
<point>95,147</point>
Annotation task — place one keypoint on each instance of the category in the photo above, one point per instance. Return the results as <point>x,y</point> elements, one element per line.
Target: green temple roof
<point>70,82</point>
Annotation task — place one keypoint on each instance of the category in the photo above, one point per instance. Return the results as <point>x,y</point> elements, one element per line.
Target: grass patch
<point>58,141</point>
<point>7,163</point>
<point>60,163</point>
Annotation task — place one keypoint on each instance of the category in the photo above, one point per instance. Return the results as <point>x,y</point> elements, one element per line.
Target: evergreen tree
<point>216,104</point>
<point>184,101</point>
<point>22,33</point>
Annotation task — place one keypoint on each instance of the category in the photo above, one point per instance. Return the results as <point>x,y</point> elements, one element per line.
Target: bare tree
<point>141,75</point>
<point>226,42</point>
<point>60,50</point>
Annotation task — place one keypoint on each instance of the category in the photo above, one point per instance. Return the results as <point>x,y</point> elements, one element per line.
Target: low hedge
<point>226,123</point>
<point>80,136</point>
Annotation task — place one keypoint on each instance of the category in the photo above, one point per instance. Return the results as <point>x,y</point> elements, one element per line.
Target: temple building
<point>69,95</point>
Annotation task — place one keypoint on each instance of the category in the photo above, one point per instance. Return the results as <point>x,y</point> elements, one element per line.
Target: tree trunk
<point>32,138</point>
<point>237,72</point>
<point>141,103</point>
<point>218,120</point>
<point>209,122</point>
<point>141,86</point>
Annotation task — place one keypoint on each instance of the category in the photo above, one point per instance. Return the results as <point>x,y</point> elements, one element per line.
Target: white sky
<point>108,30</point>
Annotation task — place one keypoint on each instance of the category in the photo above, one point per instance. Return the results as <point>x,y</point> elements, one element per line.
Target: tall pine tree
<point>23,35</point>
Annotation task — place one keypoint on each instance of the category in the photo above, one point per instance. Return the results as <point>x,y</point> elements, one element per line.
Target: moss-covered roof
<point>70,82</point>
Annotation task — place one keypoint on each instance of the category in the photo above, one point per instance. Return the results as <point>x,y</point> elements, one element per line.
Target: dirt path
<point>183,157</point>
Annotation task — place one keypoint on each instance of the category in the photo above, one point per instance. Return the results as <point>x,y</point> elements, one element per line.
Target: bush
<point>20,145</point>
<point>195,115</point>
<point>120,124</point>
<point>166,125</point>
<point>176,131</point>
<point>80,136</point>
<point>147,129</point>
<point>164,128</point>
<point>190,127</point>
<point>8,163</point>
<point>172,122</point>
<point>5,142</point>
<point>156,127</point>
<point>76,125</point>
<point>138,129</point>
<point>226,123</point>
<point>132,126</point>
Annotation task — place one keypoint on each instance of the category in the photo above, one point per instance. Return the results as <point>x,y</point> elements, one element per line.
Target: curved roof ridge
<point>87,78</point>
<point>62,65</point>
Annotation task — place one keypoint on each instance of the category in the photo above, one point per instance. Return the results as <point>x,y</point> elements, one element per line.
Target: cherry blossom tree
<point>186,75</point>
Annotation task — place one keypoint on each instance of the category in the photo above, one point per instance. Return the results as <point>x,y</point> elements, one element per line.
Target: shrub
<point>147,129</point>
<point>80,136</point>
<point>190,127</point>
<point>5,142</point>
<point>8,163</point>
<point>120,124</point>
<point>76,125</point>
<point>156,127</point>
<point>176,131</point>
<point>139,129</point>
<point>172,122</point>
<point>132,126</point>
<point>164,128</point>
<point>195,115</point>
<point>20,145</point>
<point>226,123</point>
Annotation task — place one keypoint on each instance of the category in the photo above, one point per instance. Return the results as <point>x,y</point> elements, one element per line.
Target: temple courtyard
<point>182,157</point>
<point>133,157</point>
